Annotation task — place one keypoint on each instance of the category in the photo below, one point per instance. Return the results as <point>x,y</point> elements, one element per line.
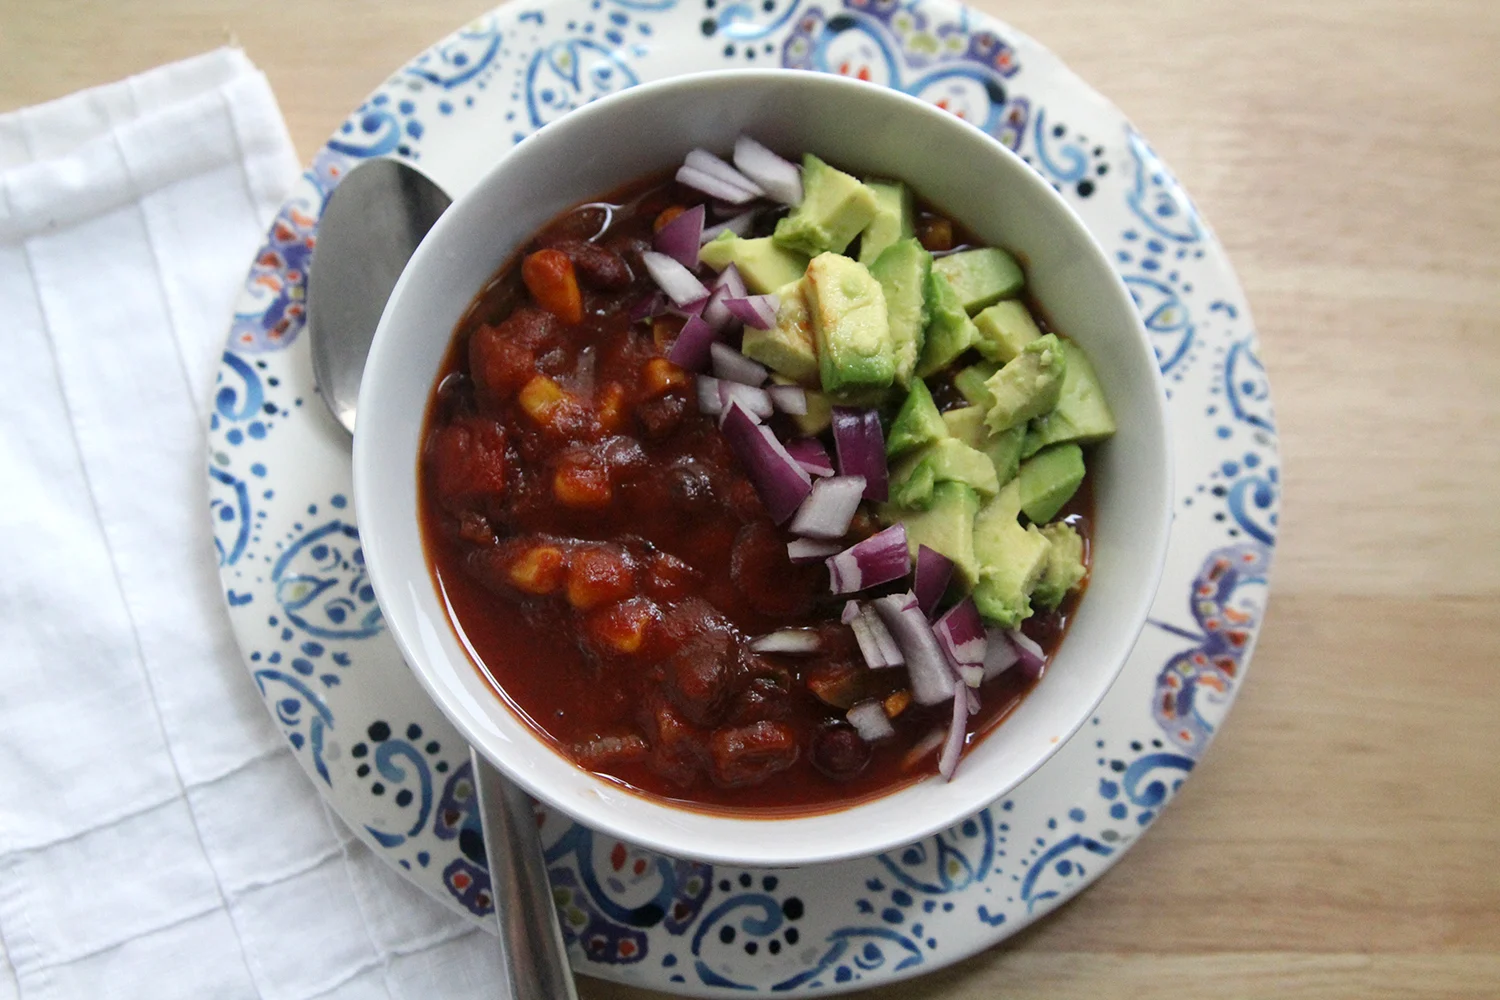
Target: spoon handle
<point>531,942</point>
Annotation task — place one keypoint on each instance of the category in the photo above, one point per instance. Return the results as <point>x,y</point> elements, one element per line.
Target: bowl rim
<point>488,742</point>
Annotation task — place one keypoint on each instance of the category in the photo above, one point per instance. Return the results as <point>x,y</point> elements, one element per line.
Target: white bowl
<point>867,129</point>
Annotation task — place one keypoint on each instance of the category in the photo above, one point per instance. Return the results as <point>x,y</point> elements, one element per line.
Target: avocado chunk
<point>950,460</point>
<point>849,319</point>
<point>947,526</point>
<point>1064,567</point>
<point>981,277</point>
<point>918,422</point>
<point>833,210</point>
<point>950,331</point>
<point>970,384</point>
<point>913,489</point>
<point>789,347</point>
<point>764,265</point>
<point>1049,479</point>
<point>967,424</point>
<point>902,272</point>
<point>1003,450</point>
<point>1081,413</point>
<point>1027,386</point>
<point>895,219</point>
<point>1011,559</point>
<point>1004,329</point>
<point>819,415</point>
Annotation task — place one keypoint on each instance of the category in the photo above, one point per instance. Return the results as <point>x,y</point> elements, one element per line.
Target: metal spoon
<point>370,227</point>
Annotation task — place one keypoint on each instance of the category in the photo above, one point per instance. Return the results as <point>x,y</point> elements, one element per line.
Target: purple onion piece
<point>961,634</point>
<point>733,284</point>
<point>851,611</point>
<point>861,448</point>
<point>829,508</point>
<point>809,550</point>
<point>811,455</point>
<point>927,669</point>
<point>756,402</point>
<point>734,366</point>
<point>780,481</point>
<point>712,186</point>
<point>779,178</point>
<point>972,697</point>
<point>1000,655</point>
<point>869,720</point>
<point>709,400</point>
<point>674,279</point>
<point>972,674</point>
<point>877,476</point>
<point>702,159</point>
<point>715,313</point>
<point>680,238</point>
<point>1029,655</point>
<point>739,225</point>
<point>890,650</point>
<point>791,641</point>
<point>953,746</point>
<point>758,311</point>
<point>934,570</point>
<point>691,349</point>
<point>878,559</point>
<point>648,306</point>
<point>789,399</point>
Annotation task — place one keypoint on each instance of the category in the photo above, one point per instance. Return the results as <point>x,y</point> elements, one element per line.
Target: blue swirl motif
<point>1228,601</point>
<point>461,57</point>
<point>744,21</point>
<point>1153,794</point>
<point>1166,317</point>
<point>1059,867</point>
<point>570,73</point>
<point>607,900</point>
<point>466,877</point>
<point>229,508</point>
<point>302,728</point>
<point>896,46</point>
<point>1157,199</point>
<point>948,861</point>
<point>1064,160</point>
<point>388,756</point>
<point>883,948</point>
<point>322,585</point>
<point>1246,386</point>
<point>645,5</point>
<point>235,403</point>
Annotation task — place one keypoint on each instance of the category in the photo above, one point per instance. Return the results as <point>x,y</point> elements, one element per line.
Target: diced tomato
<point>468,461</point>
<point>548,275</point>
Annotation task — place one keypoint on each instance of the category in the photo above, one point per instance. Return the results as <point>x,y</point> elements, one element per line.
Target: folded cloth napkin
<point>156,837</point>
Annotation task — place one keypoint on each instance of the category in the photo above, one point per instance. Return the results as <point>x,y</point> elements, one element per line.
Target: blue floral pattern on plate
<point>293,574</point>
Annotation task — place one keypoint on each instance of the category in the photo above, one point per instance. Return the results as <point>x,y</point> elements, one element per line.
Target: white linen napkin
<point>157,839</point>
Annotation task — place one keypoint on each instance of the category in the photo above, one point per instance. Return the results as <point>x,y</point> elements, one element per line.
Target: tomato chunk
<point>549,278</point>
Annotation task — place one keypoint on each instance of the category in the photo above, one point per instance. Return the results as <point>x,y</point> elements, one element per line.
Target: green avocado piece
<point>1027,386</point>
<point>970,384</point>
<point>1081,413</point>
<point>950,460</point>
<point>950,331</point>
<point>981,277</point>
<point>967,424</point>
<point>913,489</point>
<point>918,422</point>
<point>1004,329</point>
<point>1064,567</point>
<point>1049,479</point>
<point>1011,559</point>
<point>849,319</point>
<point>833,210</point>
<point>764,265</point>
<point>819,415</point>
<point>946,526</point>
<point>902,272</point>
<point>789,347</point>
<point>1003,450</point>
<point>895,219</point>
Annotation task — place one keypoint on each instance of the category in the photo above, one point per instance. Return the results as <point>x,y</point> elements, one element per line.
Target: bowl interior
<point>872,131</point>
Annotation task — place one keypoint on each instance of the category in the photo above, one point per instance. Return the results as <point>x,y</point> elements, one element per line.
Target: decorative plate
<point>397,772</point>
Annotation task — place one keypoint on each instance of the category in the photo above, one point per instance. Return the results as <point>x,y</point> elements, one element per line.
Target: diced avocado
<point>862,398</point>
<point>1032,442</point>
<point>789,347</point>
<point>1049,479</point>
<point>1004,450</point>
<point>1081,413</point>
<point>849,320</point>
<point>833,210</point>
<point>902,272</point>
<point>950,331</point>
<point>1011,559</point>
<point>1064,567</point>
<point>918,422</point>
<point>764,265</point>
<point>982,277</point>
<point>895,219</point>
<point>970,384</point>
<point>913,489</point>
<point>819,415</point>
<point>950,461</point>
<point>1004,329</point>
<point>1027,386</point>
<point>967,424</point>
<point>947,527</point>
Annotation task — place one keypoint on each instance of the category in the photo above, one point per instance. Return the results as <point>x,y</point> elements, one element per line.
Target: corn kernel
<point>622,627</point>
<point>662,375</point>
<point>582,486</point>
<point>540,397</point>
<point>896,704</point>
<point>597,575</point>
<point>611,408</point>
<point>539,570</point>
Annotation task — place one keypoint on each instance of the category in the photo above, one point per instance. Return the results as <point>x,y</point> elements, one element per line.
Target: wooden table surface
<point>1342,837</point>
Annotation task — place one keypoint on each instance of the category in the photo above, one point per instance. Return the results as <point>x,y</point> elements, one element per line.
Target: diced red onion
<point>792,641</point>
<point>861,448</point>
<point>780,481</point>
<point>780,179</point>
<point>757,402</point>
<point>709,400</point>
<point>811,455</point>
<point>702,159</point>
<point>829,508</point>
<point>674,279</point>
<point>934,570</point>
<point>890,649</point>
<point>693,308</point>
<point>851,611</point>
<point>739,225</point>
<point>972,674</point>
<point>758,311</point>
<point>961,634</point>
<point>715,313</point>
<point>972,697</point>
<point>732,282</point>
<point>1029,655</point>
<point>691,349</point>
<point>648,307</point>
<point>734,366</point>
<point>922,748</point>
<point>926,667</point>
<point>953,746</point>
<point>680,238</point>
<point>876,644</point>
<point>1000,655</point>
<point>789,399</point>
<point>711,185</point>
<point>878,559</point>
<point>869,720</point>
<point>808,550</point>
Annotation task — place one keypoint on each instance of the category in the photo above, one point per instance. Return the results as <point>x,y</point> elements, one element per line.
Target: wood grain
<point>1342,837</point>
